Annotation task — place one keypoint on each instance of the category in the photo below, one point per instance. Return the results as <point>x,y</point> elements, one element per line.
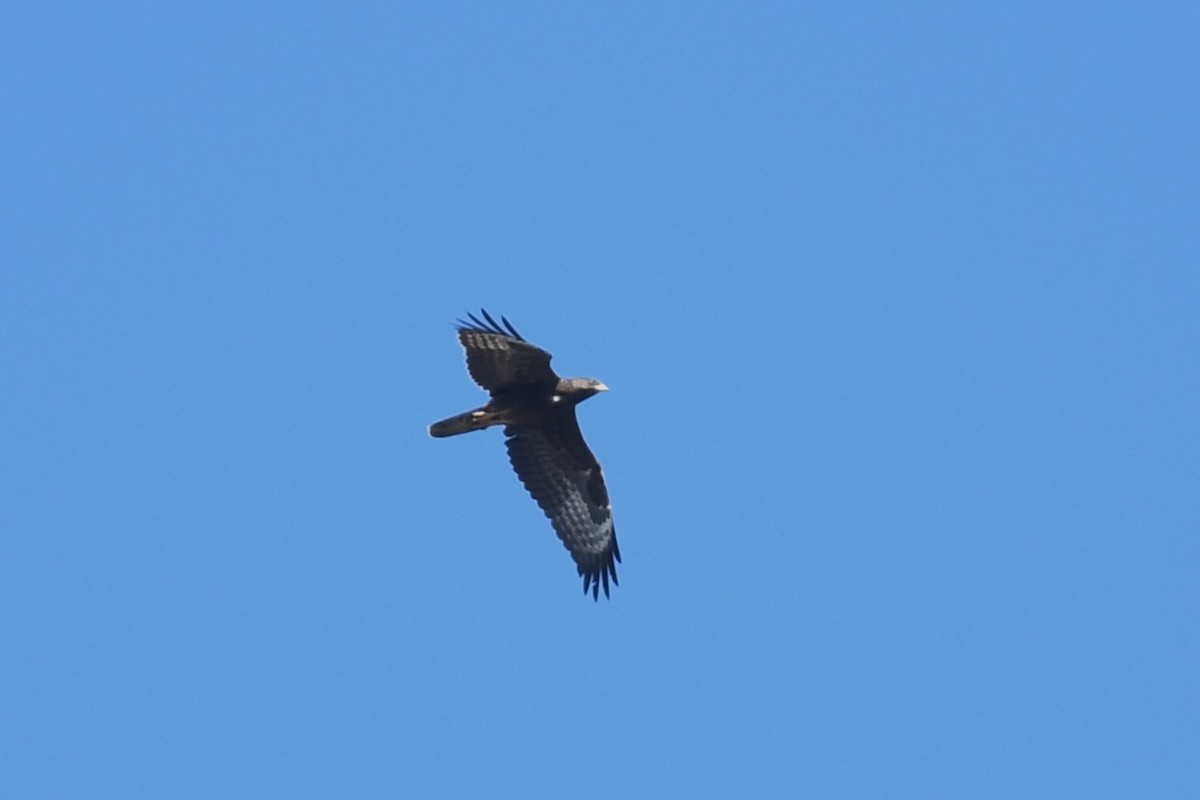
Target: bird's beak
<point>600,387</point>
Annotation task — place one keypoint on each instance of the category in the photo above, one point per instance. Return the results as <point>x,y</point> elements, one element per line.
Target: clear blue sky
<point>900,309</point>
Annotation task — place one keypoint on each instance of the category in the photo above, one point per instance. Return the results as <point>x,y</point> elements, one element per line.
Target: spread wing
<point>499,357</point>
<point>564,478</point>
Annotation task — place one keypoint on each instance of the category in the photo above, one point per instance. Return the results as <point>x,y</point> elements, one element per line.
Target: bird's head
<point>581,388</point>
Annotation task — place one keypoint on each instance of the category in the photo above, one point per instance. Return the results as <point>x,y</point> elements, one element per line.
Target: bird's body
<point>546,449</point>
<point>528,404</point>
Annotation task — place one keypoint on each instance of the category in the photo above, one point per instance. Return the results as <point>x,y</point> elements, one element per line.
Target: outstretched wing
<point>499,357</point>
<point>564,478</point>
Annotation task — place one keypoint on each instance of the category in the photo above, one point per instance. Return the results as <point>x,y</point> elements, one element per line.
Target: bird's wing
<point>564,478</point>
<point>499,357</point>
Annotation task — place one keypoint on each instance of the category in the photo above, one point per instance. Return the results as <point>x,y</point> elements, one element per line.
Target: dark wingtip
<point>488,317</point>
<point>510,327</point>
<point>476,323</point>
<point>489,325</point>
<point>599,578</point>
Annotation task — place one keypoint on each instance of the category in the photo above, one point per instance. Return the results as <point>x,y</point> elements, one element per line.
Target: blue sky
<point>900,312</point>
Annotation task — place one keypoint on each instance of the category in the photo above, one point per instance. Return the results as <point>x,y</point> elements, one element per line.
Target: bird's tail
<point>464,423</point>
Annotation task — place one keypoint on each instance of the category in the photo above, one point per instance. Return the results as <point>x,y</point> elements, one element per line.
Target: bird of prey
<point>537,409</point>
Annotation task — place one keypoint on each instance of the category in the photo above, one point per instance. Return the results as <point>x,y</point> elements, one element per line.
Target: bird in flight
<point>545,447</point>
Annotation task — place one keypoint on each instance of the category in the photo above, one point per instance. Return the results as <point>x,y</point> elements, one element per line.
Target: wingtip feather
<point>489,325</point>
<point>600,578</point>
<point>510,327</point>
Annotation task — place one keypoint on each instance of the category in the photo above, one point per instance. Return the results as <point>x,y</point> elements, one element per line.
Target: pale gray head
<point>579,389</point>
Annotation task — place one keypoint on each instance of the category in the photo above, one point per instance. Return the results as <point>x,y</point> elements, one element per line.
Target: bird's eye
<point>556,398</point>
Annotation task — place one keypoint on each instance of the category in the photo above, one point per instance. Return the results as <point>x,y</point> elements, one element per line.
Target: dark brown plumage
<point>545,447</point>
